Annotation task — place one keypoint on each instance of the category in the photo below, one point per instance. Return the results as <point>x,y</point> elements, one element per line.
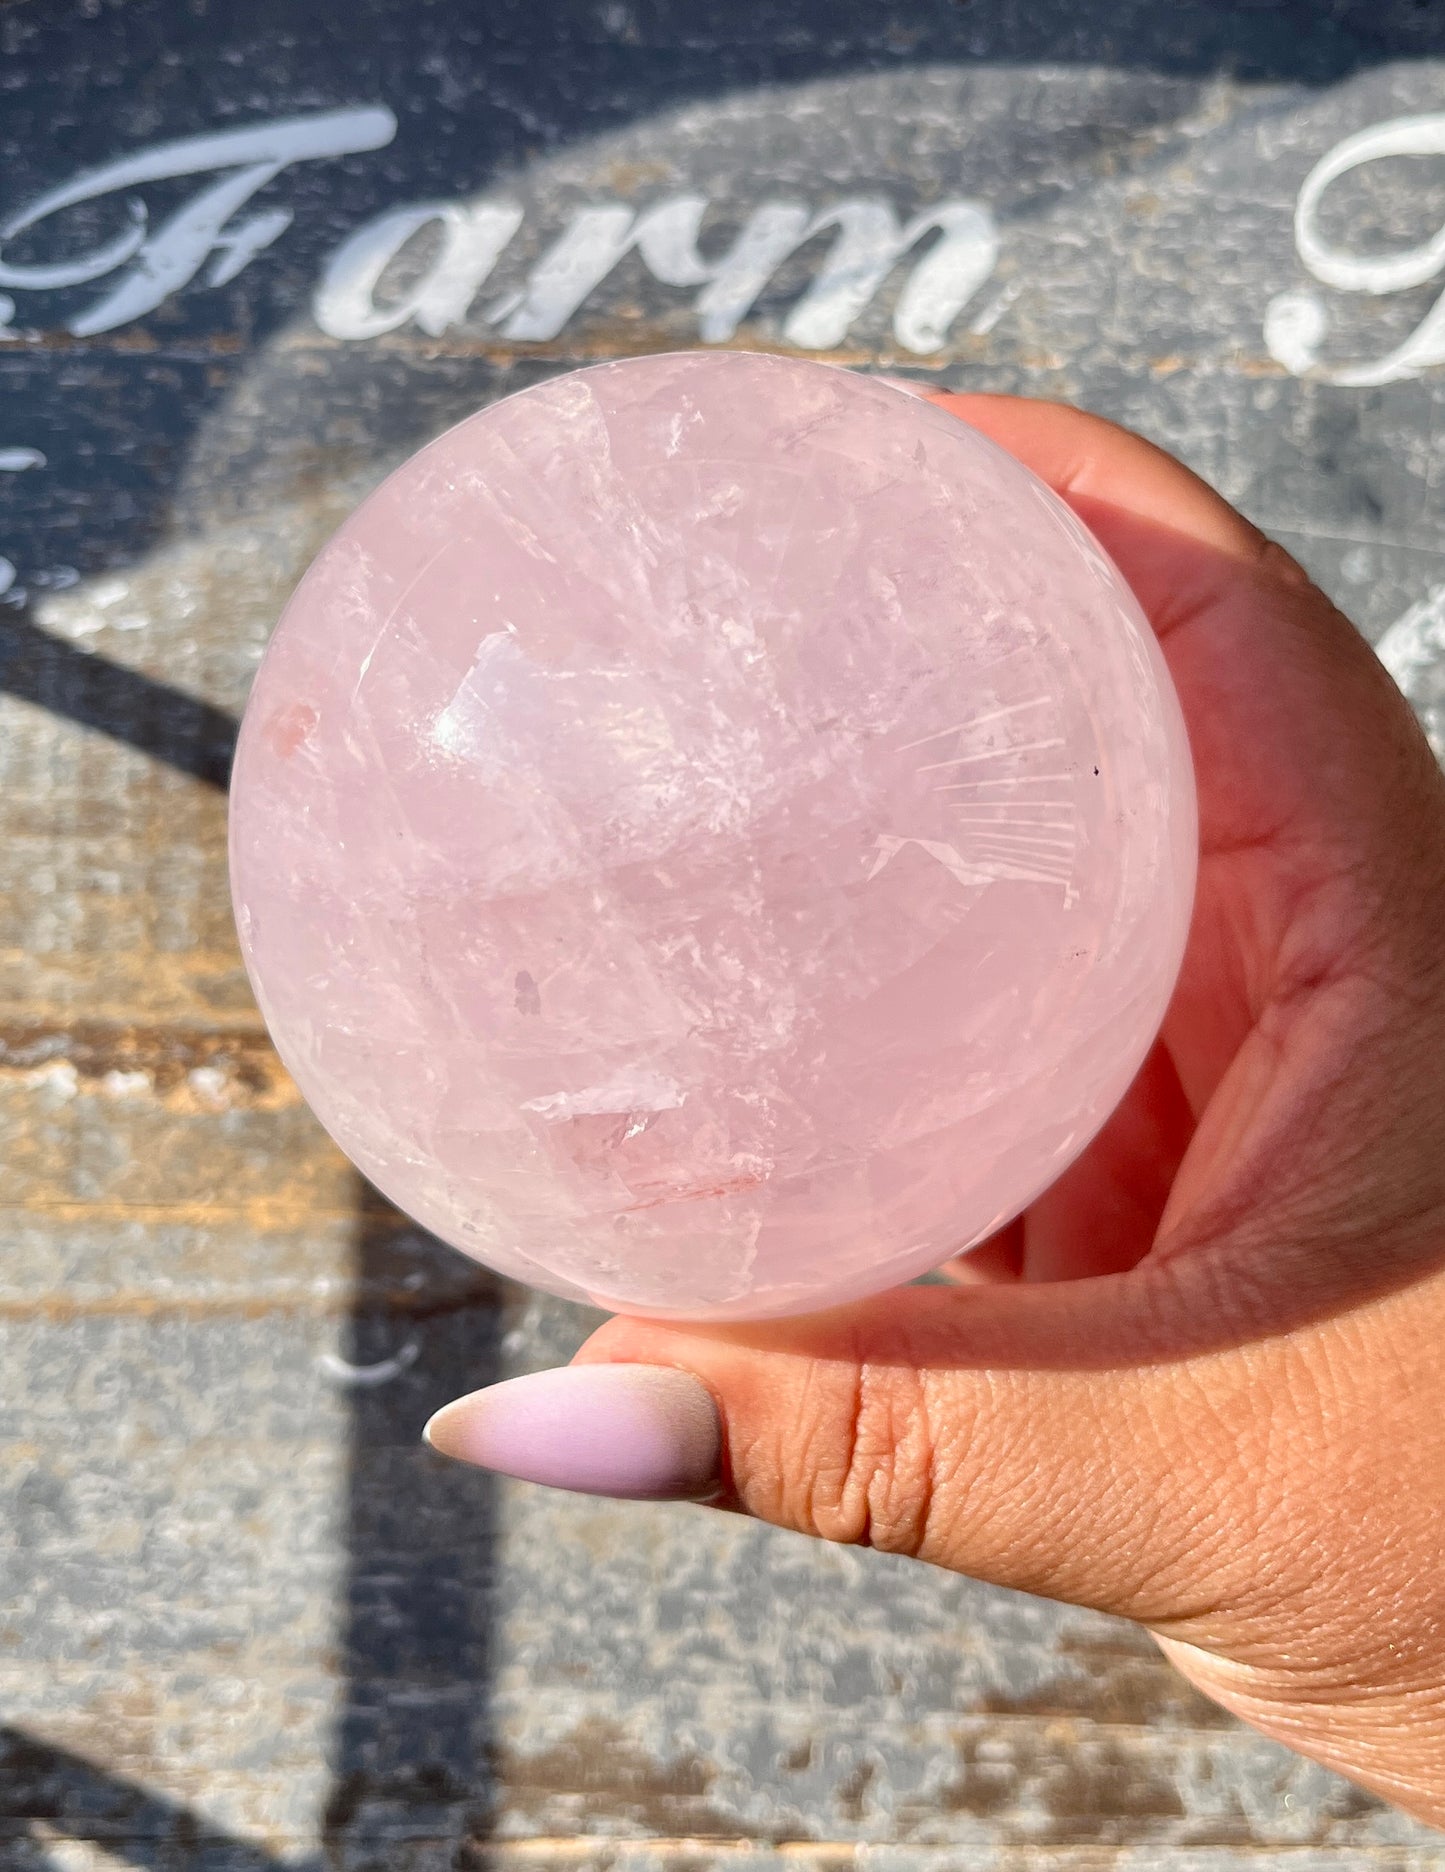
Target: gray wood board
<point>247,1622</point>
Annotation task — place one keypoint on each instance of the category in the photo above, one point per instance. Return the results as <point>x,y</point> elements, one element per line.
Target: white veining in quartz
<point>712,834</point>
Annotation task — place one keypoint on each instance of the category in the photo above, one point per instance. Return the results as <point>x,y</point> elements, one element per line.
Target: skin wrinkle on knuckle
<point>831,1507</point>
<point>865,1459</point>
<point>911,1478</point>
<point>885,1489</point>
<point>790,1468</point>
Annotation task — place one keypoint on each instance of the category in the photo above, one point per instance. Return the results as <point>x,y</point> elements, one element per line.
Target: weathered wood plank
<point>246,1620</point>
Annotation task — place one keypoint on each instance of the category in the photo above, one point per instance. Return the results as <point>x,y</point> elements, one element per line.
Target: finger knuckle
<point>871,1477</point>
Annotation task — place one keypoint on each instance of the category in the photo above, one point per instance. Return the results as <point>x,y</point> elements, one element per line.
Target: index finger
<point>1110,475</point>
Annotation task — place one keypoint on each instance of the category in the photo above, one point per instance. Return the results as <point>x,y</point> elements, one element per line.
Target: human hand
<point>1197,1384</point>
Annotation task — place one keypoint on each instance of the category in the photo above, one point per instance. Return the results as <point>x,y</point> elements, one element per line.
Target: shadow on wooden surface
<point>190,735</point>
<point>411,1736</point>
<point>48,1795</point>
<point>160,436</point>
<point>410,1742</point>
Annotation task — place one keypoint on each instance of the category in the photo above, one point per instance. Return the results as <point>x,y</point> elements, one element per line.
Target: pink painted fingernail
<point>636,1432</point>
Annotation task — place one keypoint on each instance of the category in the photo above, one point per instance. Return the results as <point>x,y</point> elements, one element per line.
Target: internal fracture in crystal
<point>713,835</point>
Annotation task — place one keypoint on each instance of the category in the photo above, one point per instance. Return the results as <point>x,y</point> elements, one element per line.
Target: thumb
<point>1040,1437</point>
<point>1181,1444</point>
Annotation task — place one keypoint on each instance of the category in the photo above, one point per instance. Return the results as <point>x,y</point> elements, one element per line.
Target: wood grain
<point>247,1620</point>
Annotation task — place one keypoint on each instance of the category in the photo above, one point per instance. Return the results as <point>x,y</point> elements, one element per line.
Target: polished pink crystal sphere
<point>713,835</point>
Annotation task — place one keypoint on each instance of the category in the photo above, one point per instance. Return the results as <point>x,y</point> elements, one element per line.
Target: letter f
<point>161,261</point>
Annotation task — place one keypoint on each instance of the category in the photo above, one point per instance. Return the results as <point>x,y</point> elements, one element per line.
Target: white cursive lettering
<point>161,261</point>
<point>869,242</point>
<point>1297,323</point>
<point>472,239</point>
<point>1413,651</point>
<point>665,237</point>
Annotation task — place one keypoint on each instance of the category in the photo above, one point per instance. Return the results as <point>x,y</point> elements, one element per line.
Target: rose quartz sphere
<point>713,836</point>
